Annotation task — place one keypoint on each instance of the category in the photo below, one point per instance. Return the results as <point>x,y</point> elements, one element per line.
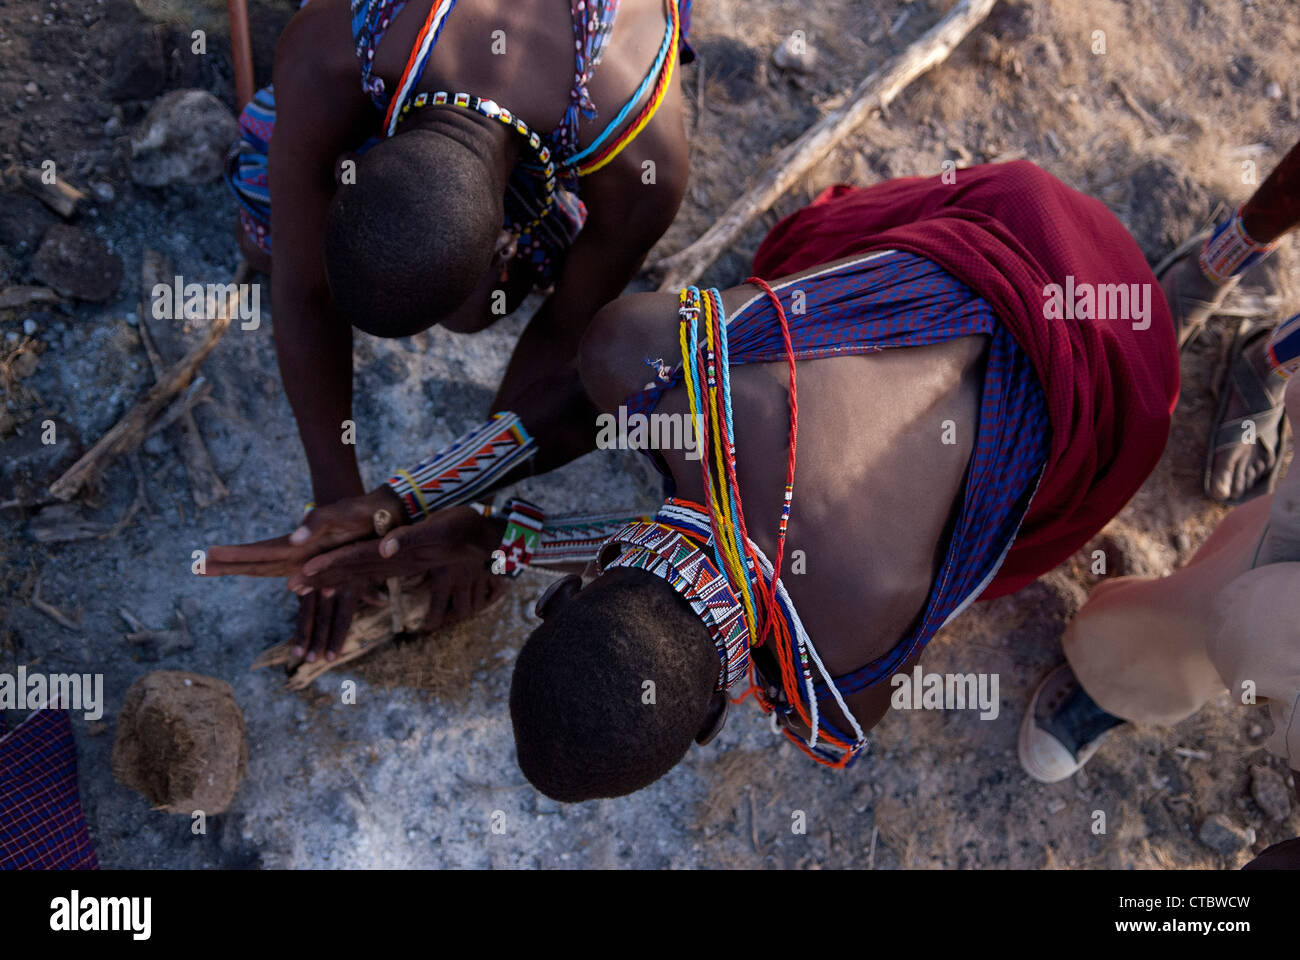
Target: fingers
<point>358,562</point>
<point>437,604</point>
<point>462,607</point>
<point>320,629</point>
<point>303,628</point>
<point>345,604</point>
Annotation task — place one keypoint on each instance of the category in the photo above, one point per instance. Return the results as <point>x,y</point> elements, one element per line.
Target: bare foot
<point>1239,466</point>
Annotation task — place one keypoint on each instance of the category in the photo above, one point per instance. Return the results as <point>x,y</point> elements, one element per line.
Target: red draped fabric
<point>1008,231</point>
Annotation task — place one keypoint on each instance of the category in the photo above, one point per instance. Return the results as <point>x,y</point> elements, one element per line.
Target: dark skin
<point>874,488</point>
<point>323,115</point>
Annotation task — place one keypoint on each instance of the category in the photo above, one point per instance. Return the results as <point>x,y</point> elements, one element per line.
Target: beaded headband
<point>659,549</point>
<point>494,111</point>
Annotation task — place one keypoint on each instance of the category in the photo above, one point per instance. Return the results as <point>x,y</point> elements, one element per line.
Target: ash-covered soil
<point>1160,127</point>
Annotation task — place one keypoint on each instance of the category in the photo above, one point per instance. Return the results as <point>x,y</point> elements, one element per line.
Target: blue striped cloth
<point>890,299</point>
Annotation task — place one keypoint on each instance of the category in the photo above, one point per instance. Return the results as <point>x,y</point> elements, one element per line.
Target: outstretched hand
<point>452,548</point>
<point>325,528</point>
<point>457,536</point>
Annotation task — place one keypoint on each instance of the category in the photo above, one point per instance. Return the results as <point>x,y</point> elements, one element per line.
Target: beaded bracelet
<point>1230,250</point>
<point>1284,347</point>
<point>577,538</point>
<point>465,468</point>
<point>524,522</point>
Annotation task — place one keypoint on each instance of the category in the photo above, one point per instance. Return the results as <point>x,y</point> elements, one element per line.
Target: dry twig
<point>875,92</point>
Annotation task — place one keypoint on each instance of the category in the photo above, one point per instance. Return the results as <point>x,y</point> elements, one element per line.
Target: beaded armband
<point>1284,347</point>
<point>578,538</point>
<point>1230,250</point>
<point>466,468</point>
<point>524,523</point>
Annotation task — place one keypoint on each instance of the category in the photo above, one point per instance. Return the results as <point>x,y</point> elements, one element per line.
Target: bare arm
<point>320,111</point>
<point>627,217</point>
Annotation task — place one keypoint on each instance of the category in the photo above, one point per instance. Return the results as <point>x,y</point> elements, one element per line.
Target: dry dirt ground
<point>1161,127</point>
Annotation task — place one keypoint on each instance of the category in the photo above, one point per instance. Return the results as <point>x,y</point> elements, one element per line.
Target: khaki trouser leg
<point>1140,646</point>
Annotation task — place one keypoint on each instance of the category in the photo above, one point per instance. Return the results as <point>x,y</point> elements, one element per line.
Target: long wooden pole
<point>876,91</point>
<point>241,50</point>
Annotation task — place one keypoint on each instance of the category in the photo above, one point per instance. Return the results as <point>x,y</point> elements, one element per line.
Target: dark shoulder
<point>317,47</point>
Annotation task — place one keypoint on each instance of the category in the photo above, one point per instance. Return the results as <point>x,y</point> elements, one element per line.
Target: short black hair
<point>577,700</point>
<point>410,240</point>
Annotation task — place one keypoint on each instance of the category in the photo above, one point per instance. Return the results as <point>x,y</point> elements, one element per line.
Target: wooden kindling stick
<point>876,91</point>
<point>131,430</point>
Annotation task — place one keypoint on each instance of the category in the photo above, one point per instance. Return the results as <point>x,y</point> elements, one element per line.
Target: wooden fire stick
<point>878,90</point>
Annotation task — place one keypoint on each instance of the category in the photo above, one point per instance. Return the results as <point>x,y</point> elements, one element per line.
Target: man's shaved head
<point>410,240</point>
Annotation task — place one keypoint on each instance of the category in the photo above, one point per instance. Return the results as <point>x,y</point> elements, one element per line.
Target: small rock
<point>139,66</point>
<point>103,191</point>
<point>795,54</point>
<point>1255,731</point>
<point>1273,91</point>
<point>1270,792</point>
<point>155,445</point>
<point>112,126</point>
<point>397,726</point>
<point>183,139</point>
<point>391,369</point>
<point>23,219</point>
<point>77,264</point>
<point>1055,806</point>
<point>28,466</point>
<point>1223,836</point>
<point>29,326</point>
<point>33,89</point>
<point>862,797</point>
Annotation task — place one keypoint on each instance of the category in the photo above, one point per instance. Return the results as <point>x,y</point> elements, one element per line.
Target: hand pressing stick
<point>370,630</point>
<point>131,430</point>
<point>383,521</point>
<point>875,91</point>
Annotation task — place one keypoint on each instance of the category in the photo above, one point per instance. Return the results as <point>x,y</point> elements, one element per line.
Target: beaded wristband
<point>524,523</point>
<point>1284,347</point>
<point>465,468</point>
<point>1230,250</point>
<point>577,538</point>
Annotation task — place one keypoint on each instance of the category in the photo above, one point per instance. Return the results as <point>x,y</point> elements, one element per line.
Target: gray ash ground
<point>407,778</point>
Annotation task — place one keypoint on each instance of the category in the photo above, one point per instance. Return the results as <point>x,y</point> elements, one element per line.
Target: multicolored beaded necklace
<point>584,162</point>
<point>755,604</point>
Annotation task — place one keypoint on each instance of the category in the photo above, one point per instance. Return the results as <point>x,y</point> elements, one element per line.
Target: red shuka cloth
<point>1007,231</point>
